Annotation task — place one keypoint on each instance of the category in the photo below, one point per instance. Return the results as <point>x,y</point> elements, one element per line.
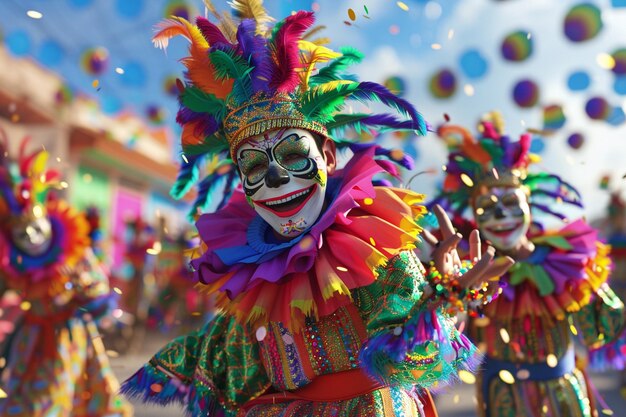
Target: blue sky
<point>396,42</point>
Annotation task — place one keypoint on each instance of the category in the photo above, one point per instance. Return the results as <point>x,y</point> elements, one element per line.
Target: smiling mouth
<point>289,204</point>
<point>504,229</point>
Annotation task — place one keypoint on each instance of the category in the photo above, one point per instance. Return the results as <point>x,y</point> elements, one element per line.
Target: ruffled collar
<point>560,276</point>
<point>312,275</point>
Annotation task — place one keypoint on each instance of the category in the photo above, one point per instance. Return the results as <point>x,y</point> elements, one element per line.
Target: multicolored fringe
<point>427,338</point>
<point>609,356</point>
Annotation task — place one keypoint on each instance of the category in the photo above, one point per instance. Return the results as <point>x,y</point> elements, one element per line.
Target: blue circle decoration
<point>578,81</point>
<point>129,8</point>
<point>78,4</point>
<point>618,3</point>
<point>135,75</point>
<point>537,145</point>
<point>50,53</point>
<point>617,116</point>
<point>575,140</point>
<point>473,64</point>
<point>18,42</point>
<point>619,85</point>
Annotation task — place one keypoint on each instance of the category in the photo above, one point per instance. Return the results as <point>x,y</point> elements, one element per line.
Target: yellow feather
<point>253,9</point>
<point>313,54</point>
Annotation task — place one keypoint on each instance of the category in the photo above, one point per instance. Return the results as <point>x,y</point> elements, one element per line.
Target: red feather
<point>211,32</point>
<point>524,147</point>
<point>286,53</point>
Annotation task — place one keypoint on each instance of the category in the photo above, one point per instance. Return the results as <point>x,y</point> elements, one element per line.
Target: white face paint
<point>503,216</point>
<point>284,177</point>
<point>33,236</point>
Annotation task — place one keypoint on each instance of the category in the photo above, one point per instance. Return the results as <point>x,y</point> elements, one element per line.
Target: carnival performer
<point>556,287</point>
<point>325,310</point>
<point>56,365</point>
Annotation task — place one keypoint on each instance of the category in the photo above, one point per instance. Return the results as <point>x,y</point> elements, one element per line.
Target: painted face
<point>33,236</point>
<point>503,216</point>
<point>284,178</point>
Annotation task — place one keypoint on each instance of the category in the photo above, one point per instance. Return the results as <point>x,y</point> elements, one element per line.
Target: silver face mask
<point>32,235</point>
<point>503,216</point>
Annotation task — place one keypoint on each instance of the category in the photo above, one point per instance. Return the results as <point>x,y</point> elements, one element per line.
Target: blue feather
<point>187,175</point>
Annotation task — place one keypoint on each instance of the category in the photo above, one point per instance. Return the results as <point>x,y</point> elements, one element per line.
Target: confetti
<point>366,11</point>
<point>155,249</point>
<point>607,411</point>
<point>25,305</point>
<point>469,90</point>
<point>119,70</point>
<point>112,354</point>
<point>456,398</point>
<point>467,377</point>
<point>117,290</point>
<point>467,180</point>
<point>34,14</point>
<point>3,394</point>
<point>342,269</point>
<point>552,360</point>
<point>403,6</point>
<point>351,15</point>
<point>156,387</point>
<point>605,61</point>
<point>95,83</point>
<point>505,335</point>
<point>436,46</point>
<point>506,376</point>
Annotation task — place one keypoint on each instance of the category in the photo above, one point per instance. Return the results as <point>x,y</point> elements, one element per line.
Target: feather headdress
<point>25,182</point>
<point>491,160</point>
<point>245,78</point>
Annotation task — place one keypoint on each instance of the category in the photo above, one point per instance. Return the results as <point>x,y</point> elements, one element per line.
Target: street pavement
<point>458,401</point>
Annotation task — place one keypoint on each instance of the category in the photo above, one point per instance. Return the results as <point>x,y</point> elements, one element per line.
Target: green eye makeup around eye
<point>253,165</point>
<point>292,153</point>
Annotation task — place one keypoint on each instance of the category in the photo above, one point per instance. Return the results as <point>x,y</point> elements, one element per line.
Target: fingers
<point>429,238</point>
<point>474,244</point>
<point>445,225</point>
<point>476,275</point>
<point>499,266</point>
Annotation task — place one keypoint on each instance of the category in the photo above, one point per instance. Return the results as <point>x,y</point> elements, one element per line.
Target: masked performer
<point>324,307</point>
<point>556,287</point>
<point>57,365</point>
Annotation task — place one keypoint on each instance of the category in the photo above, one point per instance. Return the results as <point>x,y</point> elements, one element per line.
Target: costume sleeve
<point>409,341</point>
<point>600,325</point>
<point>212,371</point>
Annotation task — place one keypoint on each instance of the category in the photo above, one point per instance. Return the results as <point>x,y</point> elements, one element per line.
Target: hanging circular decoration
<point>95,61</point>
<point>169,86</point>
<point>156,114</point>
<point>50,53</point>
<point>517,46</point>
<point>443,84</point>
<point>396,85</point>
<point>575,140</point>
<point>617,116</point>
<point>18,42</point>
<point>620,61</point>
<point>178,8</point>
<point>578,81</point>
<point>129,9</point>
<point>526,93</point>
<point>537,145</point>
<point>553,117</point>
<point>619,85</point>
<point>64,95</point>
<point>473,64</point>
<point>597,108</point>
<point>135,75</point>
<point>582,22</point>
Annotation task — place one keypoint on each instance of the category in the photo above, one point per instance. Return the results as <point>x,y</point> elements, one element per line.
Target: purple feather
<point>367,91</point>
<point>254,50</point>
<point>285,47</point>
<point>508,150</point>
<point>207,123</point>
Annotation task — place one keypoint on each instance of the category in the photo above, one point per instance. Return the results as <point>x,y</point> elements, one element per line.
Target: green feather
<point>229,65</point>
<point>211,145</point>
<point>320,104</point>
<point>334,70</point>
<point>200,102</point>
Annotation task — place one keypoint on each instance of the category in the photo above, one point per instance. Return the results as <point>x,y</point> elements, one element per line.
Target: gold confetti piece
<point>505,335</point>
<point>351,15</point>
<point>64,184</point>
<point>155,249</point>
<point>34,14</point>
<point>95,83</point>
<point>456,398</point>
<point>467,377</point>
<point>605,61</point>
<point>112,354</point>
<point>25,305</point>
<point>506,376</point>
<point>435,46</point>
<point>342,269</point>
<point>544,408</point>
<point>573,329</point>
<point>119,70</point>
<point>117,290</point>
<point>372,241</point>
<point>403,6</point>
<point>607,412</point>
<point>467,180</point>
<point>3,362</point>
<point>368,201</point>
<point>156,387</point>
<point>469,90</point>
<point>552,360</point>
<point>196,313</point>
<point>3,394</point>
